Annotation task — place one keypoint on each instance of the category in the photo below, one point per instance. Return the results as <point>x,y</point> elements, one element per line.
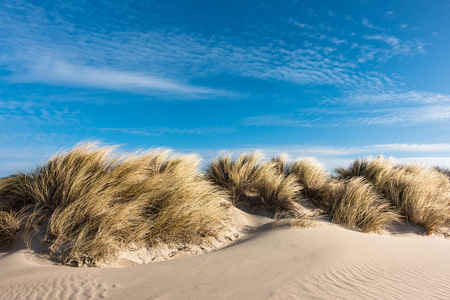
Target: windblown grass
<point>443,170</point>
<point>256,182</point>
<point>9,226</point>
<point>354,203</point>
<point>377,170</point>
<point>420,193</point>
<point>276,191</point>
<point>90,203</point>
<point>281,164</point>
<point>310,174</point>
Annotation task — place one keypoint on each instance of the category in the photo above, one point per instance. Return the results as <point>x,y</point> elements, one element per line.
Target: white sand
<point>313,263</point>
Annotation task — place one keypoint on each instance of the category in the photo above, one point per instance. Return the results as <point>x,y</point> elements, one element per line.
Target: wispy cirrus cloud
<point>365,49</point>
<point>157,131</point>
<point>66,74</point>
<point>30,114</point>
<point>395,98</point>
<point>162,61</point>
<point>405,109</point>
<point>366,22</point>
<point>394,47</point>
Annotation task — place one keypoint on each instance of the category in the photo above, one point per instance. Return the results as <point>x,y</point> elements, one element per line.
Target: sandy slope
<point>314,263</point>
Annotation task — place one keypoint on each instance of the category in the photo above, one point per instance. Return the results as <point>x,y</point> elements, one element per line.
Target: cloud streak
<point>158,131</point>
<point>167,61</point>
<point>430,110</point>
<point>62,73</point>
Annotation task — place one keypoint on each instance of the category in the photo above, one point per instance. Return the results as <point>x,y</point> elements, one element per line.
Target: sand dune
<point>323,262</point>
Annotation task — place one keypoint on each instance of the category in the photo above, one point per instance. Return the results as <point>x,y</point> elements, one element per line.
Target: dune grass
<point>89,203</point>
<point>9,226</point>
<point>443,170</point>
<point>421,194</point>
<point>310,174</point>
<point>377,170</point>
<point>354,203</point>
<point>251,180</point>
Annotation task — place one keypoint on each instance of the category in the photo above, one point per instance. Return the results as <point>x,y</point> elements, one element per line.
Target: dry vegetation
<point>421,194</point>
<point>88,203</point>
<point>354,203</point>
<point>257,183</point>
<point>9,226</point>
<point>445,171</point>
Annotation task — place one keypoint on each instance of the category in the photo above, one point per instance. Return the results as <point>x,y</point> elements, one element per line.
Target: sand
<point>323,262</point>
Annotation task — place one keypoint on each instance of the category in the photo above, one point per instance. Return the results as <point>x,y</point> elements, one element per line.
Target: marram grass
<point>254,181</point>
<point>90,203</point>
<point>9,226</point>
<point>421,194</point>
<point>307,171</point>
<point>354,203</point>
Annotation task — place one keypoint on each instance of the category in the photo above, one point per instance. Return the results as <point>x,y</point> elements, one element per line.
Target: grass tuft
<point>443,170</point>
<point>249,179</point>
<point>90,203</point>
<point>376,170</point>
<point>9,226</point>
<point>354,203</point>
<point>421,194</point>
<point>310,174</point>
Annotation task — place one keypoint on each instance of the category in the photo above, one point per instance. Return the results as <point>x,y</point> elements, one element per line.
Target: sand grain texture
<point>324,262</point>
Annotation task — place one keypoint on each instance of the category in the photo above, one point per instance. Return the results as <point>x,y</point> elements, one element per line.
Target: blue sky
<point>331,79</point>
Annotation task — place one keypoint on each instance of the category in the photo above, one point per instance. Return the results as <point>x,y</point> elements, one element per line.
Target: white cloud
<point>157,131</point>
<point>413,108</point>
<point>166,62</point>
<point>62,73</point>
<point>392,97</point>
<point>393,46</point>
<point>405,116</point>
<point>28,114</point>
<point>369,24</point>
<point>333,157</point>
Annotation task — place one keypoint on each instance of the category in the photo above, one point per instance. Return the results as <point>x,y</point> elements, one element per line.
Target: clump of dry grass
<point>9,226</point>
<point>276,191</point>
<point>376,170</point>
<point>309,173</point>
<point>443,170</point>
<point>90,203</point>
<point>354,203</point>
<point>281,163</point>
<point>421,194</point>
<point>251,180</point>
<point>292,219</point>
<point>236,176</point>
